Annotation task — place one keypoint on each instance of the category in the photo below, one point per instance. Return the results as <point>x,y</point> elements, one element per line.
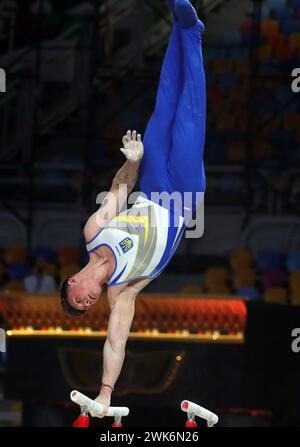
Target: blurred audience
<point>266,275</point>
<point>39,281</point>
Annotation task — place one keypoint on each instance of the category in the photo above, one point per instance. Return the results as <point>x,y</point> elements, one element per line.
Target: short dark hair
<point>67,308</point>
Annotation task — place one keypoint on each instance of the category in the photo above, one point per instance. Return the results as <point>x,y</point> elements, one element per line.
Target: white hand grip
<point>190,407</point>
<point>90,404</point>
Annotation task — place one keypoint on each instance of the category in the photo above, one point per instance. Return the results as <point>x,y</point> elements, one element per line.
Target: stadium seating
<point>272,278</point>
<point>268,275</point>
<point>276,295</point>
<point>18,271</point>
<point>68,255</point>
<point>268,259</point>
<point>228,72</point>
<point>248,292</point>
<point>293,261</point>
<point>14,253</point>
<point>191,289</point>
<point>14,286</point>
<point>244,278</point>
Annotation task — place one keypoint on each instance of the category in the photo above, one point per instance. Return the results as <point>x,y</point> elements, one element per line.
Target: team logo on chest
<point>126,244</point>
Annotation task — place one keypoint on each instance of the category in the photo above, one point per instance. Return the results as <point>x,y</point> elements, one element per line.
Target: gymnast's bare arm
<point>122,185</point>
<point>121,298</point>
<point>122,307</point>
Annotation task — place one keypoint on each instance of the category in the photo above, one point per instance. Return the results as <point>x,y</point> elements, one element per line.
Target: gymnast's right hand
<point>133,147</point>
<point>104,400</point>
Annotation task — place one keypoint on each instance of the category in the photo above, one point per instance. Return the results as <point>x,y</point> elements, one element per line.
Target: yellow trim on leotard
<point>136,219</point>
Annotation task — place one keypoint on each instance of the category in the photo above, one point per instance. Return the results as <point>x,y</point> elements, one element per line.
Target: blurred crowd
<point>267,275</point>
<point>41,271</point>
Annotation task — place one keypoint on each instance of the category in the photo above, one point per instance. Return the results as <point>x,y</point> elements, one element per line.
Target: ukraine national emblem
<point>126,244</point>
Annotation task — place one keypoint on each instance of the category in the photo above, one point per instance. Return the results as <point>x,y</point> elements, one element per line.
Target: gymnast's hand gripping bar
<point>90,404</point>
<point>197,410</point>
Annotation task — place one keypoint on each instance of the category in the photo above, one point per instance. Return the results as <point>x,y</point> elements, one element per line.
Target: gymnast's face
<point>83,293</point>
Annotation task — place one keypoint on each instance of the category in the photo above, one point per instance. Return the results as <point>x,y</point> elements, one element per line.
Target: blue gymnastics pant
<point>175,136</point>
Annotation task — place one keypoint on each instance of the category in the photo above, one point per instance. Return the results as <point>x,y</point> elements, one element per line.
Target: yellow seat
<point>244,278</point>
<point>279,183</point>
<point>237,152</point>
<point>276,295</point>
<point>243,67</point>
<point>295,298</point>
<point>220,289</point>
<point>264,53</point>
<point>291,122</point>
<point>67,255</point>
<point>14,286</point>
<point>216,276</point>
<point>262,150</point>
<point>49,269</point>
<point>240,259</point>
<point>14,253</point>
<point>294,280</point>
<point>275,40</point>
<point>294,41</point>
<point>269,27</point>
<point>226,122</point>
<point>191,289</point>
<point>283,52</point>
<point>222,66</point>
<point>295,274</point>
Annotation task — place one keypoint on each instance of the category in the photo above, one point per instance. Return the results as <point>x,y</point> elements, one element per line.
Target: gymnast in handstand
<point>128,249</point>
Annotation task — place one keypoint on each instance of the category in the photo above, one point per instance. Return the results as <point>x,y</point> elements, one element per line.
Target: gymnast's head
<point>82,290</point>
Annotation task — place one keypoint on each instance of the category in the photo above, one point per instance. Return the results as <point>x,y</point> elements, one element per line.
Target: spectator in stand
<point>39,281</point>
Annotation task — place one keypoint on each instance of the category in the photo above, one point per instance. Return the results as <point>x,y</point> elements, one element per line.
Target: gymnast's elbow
<point>123,184</point>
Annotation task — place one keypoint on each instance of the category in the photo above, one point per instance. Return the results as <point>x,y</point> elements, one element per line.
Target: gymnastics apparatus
<point>90,406</point>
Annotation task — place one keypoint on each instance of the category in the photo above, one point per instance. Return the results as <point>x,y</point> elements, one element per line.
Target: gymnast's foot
<point>184,13</point>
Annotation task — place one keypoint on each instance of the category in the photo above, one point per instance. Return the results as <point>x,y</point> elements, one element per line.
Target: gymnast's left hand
<point>104,400</point>
<point>133,147</point>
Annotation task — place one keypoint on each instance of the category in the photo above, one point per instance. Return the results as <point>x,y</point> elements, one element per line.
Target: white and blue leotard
<point>142,239</point>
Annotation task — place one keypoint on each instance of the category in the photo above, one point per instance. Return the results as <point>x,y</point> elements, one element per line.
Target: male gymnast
<point>125,251</point>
